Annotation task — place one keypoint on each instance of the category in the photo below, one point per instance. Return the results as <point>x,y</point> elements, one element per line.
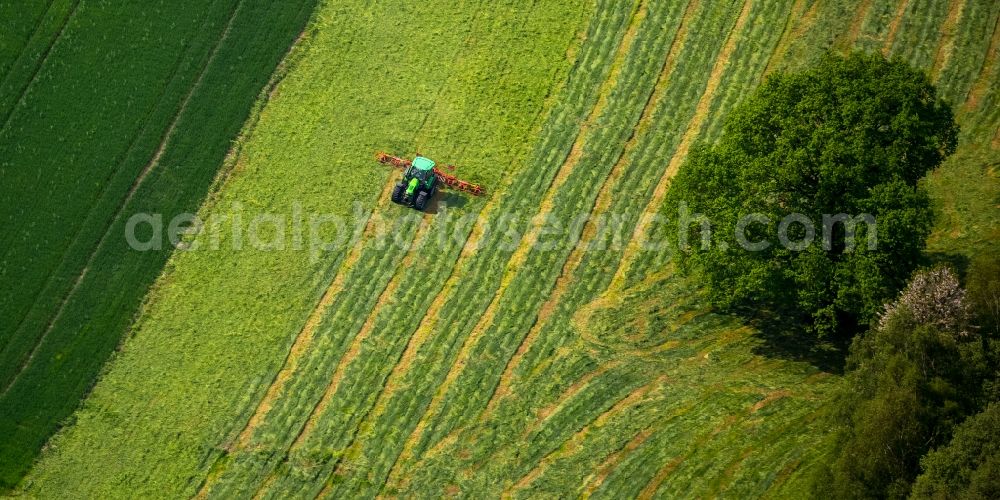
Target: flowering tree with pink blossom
<point>936,298</point>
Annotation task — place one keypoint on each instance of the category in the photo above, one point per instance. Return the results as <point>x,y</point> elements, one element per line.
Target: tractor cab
<point>423,169</point>
<point>418,185</point>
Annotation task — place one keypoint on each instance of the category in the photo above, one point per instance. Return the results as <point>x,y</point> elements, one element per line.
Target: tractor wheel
<point>421,202</point>
<point>397,193</point>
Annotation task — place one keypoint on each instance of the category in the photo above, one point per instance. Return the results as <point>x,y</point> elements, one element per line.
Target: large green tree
<point>851,135</point>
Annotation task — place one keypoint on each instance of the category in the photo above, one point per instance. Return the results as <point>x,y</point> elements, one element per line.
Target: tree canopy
<point>968,466</point>
<point>852,135</point>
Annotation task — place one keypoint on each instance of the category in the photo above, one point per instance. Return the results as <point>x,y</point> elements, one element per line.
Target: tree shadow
<point>960,263</point>
<point>783,336</point>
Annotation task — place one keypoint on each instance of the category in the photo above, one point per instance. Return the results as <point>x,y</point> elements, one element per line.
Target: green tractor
<point>418,185</point>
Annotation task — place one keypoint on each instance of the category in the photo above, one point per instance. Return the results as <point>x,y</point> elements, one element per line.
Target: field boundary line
<point>697,121</point>
<point>850,37</point>
<point>897,20</point>
<point>128,198</point>
<point>41,63</point>
<point>520,254</point>
<point>982,82</point>
<point>601,203</point>
<point>633,397</point>
<point>946,44</point>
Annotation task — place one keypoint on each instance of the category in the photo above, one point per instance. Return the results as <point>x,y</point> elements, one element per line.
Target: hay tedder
<point>421,179</point>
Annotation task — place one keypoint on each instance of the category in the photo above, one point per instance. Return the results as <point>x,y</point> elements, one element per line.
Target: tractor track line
<point>516,260</point>
<point>24,91</point>
<point>634,397</point>
<point>601,205</point>
<point>694,127</point>
<point>90,212</point>
<point>897,20</point>
<point>846,41</point>
<point>128,198</point>
<point>124,159</point>
<point>38,67</point>
<point>798,21</point>
<point>946,44</point>
<point>34,34</point>
<point>982,82</point>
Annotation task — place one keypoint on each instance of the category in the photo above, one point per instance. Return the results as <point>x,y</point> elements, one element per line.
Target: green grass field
<point>483,369</point>
<point>90,135</point>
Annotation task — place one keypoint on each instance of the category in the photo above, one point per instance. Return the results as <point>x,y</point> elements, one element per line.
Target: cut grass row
<point>577,408</point>
<point>287,415</point>
<point>969,51</point>
<point>521,448</point>
<point>487,459</point>
<point>86,156</point>
<point>919,32</point>
<point>878,24</point>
